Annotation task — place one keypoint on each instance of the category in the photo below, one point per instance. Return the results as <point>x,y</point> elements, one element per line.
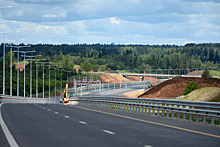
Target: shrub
<point>190,87</point>
<point>205,73</point>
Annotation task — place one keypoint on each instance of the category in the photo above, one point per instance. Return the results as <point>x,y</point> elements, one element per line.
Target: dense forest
<point>130,57</point>
<point>107,57</point>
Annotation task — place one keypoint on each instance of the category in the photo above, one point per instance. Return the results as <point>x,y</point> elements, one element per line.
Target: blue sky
<point>110,21</point>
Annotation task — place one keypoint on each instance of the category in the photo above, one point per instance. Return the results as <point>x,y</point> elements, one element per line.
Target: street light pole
<point>31,73</point>
<point>43,73</point>
<point>4,57</point>
<point>4,68</point>
<point>24,52</point>
<point>11,74</point>
<point>18,47</point>
<point>49,76</point>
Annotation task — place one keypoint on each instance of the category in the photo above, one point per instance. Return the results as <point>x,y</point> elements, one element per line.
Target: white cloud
<point>106,21</point>
<point>56,13</point>
<point>114,20</point>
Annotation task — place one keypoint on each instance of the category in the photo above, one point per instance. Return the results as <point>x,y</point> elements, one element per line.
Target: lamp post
<point>31,72</point>
<point>25,52</point>
<point>18,47</point>
<point>4,56</point>
<point>42,63</point>
<point>49,76</point>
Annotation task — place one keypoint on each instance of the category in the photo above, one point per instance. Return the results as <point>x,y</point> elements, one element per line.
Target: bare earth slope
<point>175,87</point>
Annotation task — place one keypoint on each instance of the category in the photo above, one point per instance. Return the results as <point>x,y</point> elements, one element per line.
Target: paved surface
<point>59,125</point>
<point>118,92</point>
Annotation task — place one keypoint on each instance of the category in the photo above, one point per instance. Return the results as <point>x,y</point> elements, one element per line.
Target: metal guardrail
<point>160,107</point>
<point>14,99</point>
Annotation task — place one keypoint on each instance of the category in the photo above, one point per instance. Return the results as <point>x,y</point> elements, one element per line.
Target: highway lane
<point>59,125</point>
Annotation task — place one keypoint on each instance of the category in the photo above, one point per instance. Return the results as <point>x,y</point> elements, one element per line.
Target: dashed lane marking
<point>56,112</point>
<point>67,116</point>
<point>150,122</point>
<point>109,132</point>
<point>82,122</point>
<point>48,110</point>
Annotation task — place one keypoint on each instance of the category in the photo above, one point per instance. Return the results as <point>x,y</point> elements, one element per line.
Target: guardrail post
<point>149,110</point>
<point>139,107</point>
<point>158,110</point>
<point>178,114</point>
<point>168,113</point>
<point>184,114</point>
<point>172,111</point>
<point>197,118</point>
<point>190,115</point>
<point>213,118</point>
<point>163,109</point>
<point>153,110</point>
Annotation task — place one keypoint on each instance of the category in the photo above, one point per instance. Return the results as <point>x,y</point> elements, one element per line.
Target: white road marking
<point>43,107</point>
<point>67,116</point>
<point>148,146</point>
<point>82,122</point>
<point>8,135</point>
<point>48,110</point>
<point>109,132</point>
<point>56,112</point>
<point>39,106</point>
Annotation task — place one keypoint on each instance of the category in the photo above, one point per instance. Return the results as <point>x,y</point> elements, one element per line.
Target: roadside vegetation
<point>210,94</point>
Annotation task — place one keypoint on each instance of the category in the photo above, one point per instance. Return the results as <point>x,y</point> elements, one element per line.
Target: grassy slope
<point>211,94</point>
<point>214,73</point>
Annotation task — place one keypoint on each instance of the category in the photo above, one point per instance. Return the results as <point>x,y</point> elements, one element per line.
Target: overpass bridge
<point>166,76</point>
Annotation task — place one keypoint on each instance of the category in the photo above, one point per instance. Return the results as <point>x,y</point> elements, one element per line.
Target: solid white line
<point>56,112</point>
<point>8,135</point>
<point>109,132</point>
<point>67,116</point>
<point>82,122</point>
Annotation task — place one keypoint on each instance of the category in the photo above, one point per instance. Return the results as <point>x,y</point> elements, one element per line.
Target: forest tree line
<point>106,57</point>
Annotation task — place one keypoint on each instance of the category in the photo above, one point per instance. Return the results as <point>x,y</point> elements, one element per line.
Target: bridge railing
<point>187,110</point>
<point>96,88</point>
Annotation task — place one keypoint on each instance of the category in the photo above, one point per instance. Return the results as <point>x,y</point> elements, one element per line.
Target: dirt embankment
<point>175,87</point>
<point>117,78</point>
<point>113,78</point>
<point>198,72</point>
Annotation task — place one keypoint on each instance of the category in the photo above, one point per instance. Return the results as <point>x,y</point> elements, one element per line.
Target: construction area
<point>170,89</point>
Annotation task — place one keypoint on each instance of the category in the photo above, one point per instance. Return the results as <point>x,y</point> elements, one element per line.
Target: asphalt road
<point>80,126</point>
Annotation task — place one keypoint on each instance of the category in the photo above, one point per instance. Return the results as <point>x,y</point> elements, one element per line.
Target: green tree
<point>191,87</point>
<point>87,66</point>
<point>205,73</point>
<point>95,67</point>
